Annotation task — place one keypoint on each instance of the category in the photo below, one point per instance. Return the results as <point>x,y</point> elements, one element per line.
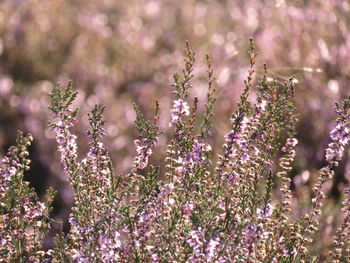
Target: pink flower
<point>143,150</point>
<point>180,108</point>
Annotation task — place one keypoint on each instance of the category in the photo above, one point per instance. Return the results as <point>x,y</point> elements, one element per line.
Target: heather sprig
<point>148,133</point>
<point>61,100</point>
<point>24,221</point>
<point>238,119</point>
<point>208,114</point>
<point>340,138</point>
<point>182,84</point>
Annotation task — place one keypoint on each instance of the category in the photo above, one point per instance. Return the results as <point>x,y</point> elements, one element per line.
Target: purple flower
<point>196,241</point>
<point>143,150</point>
<point>187,208</point>
<point>67,144</point>
<point>265,211</point>
<point>212,248</point>
<point>180,108</point>
<point>340,136</point>
<point>291,142</point>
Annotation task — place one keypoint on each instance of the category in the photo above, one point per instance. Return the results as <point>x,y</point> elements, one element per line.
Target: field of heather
<point>175,131</point>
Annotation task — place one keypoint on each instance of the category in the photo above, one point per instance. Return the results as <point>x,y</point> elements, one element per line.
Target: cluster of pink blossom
<point>196,240</point>
<point>180,108</point>
<point>144,150</point>
<point>340,136</point>
<point>197,155</point>
<point>67,142</point>
<point>7,172</point>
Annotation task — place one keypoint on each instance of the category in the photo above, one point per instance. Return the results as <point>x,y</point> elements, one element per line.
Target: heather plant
<point>119,52</point>
<point>193,207</point>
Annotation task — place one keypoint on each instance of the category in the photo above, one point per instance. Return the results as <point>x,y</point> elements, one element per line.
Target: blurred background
<point>120,52</point>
